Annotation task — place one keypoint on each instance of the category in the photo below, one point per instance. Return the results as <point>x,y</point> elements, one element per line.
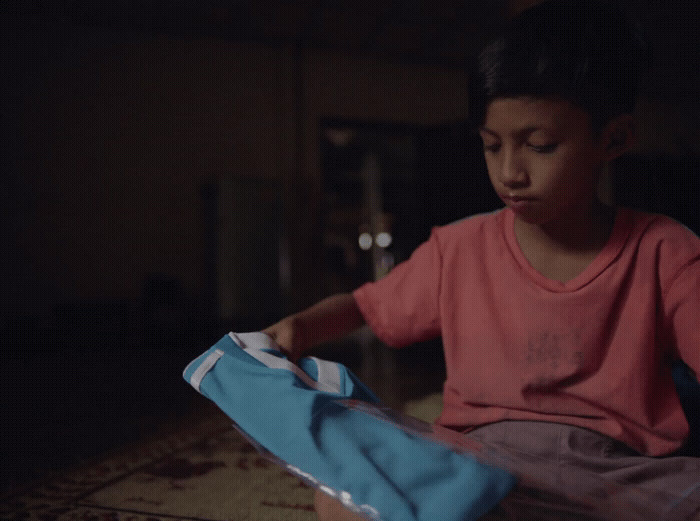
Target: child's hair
<point>586,52</point>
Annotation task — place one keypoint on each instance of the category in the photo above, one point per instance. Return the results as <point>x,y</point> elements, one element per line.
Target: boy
<point>558,314</point>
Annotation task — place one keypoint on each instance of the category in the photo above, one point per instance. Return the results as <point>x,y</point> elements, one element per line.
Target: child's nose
<point>513,171</point>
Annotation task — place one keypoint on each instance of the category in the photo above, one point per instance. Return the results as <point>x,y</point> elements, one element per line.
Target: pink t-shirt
<point>592,352</point>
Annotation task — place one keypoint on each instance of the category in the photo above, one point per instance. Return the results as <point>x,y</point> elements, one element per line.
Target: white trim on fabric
<point>206,366</point>
<point>191,364</point>
<point>254,343</point>
<point>328,373</point>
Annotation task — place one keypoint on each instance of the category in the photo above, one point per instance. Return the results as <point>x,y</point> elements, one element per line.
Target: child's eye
<point>492,148</point>
<point>544,149</point>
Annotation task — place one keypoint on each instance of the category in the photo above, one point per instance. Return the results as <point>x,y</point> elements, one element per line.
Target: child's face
<point>543,158</point>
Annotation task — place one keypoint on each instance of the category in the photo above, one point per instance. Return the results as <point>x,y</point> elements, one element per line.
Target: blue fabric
<point>403,476</point>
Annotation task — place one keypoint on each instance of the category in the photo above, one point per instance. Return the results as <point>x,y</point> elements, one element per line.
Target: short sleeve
<point>403,307</point>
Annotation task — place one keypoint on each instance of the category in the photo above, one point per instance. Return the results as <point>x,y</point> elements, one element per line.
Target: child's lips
<point>518,202</point>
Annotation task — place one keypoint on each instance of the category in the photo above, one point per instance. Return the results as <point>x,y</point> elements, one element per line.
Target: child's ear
<point>618,136</point>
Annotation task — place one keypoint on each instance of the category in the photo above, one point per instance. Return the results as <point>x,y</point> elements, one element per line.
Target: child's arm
<point>332,318</point>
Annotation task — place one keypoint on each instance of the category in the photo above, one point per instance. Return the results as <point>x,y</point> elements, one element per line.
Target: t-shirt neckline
<point>605,257</point>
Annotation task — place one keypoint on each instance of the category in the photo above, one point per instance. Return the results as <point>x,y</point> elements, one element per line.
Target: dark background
<point>121,124</point>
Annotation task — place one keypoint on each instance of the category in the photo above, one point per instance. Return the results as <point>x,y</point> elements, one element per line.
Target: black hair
<point>586,52</point>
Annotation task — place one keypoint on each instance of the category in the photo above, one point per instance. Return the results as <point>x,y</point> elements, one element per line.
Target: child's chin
<point>530,217</point>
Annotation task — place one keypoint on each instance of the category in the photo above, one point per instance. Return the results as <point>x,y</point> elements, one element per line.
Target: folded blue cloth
<point>373,466</point>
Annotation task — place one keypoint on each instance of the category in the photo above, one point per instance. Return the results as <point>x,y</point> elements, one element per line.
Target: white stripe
<point>204,368</point>
<point>328,373</point>
<point>254,343</point>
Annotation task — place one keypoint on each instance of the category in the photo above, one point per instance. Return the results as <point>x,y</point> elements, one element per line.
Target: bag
<point>323,424</point>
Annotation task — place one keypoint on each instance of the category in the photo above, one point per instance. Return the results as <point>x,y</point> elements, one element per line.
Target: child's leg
<point>330,509</point>
<point>592,468</point>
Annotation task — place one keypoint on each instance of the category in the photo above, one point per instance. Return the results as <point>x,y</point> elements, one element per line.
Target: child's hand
<point>287,333</point>
<point>332,318</point>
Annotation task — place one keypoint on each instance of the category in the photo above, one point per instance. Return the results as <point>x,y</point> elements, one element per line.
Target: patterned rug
<point>201,469</point>
<point>205,471</point>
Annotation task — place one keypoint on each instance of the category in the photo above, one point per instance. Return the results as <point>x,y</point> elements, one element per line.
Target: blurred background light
<point>383,239</point>
<point>365,241</point>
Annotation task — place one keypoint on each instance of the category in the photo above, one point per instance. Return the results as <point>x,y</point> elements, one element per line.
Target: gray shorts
<point>569,472</point>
